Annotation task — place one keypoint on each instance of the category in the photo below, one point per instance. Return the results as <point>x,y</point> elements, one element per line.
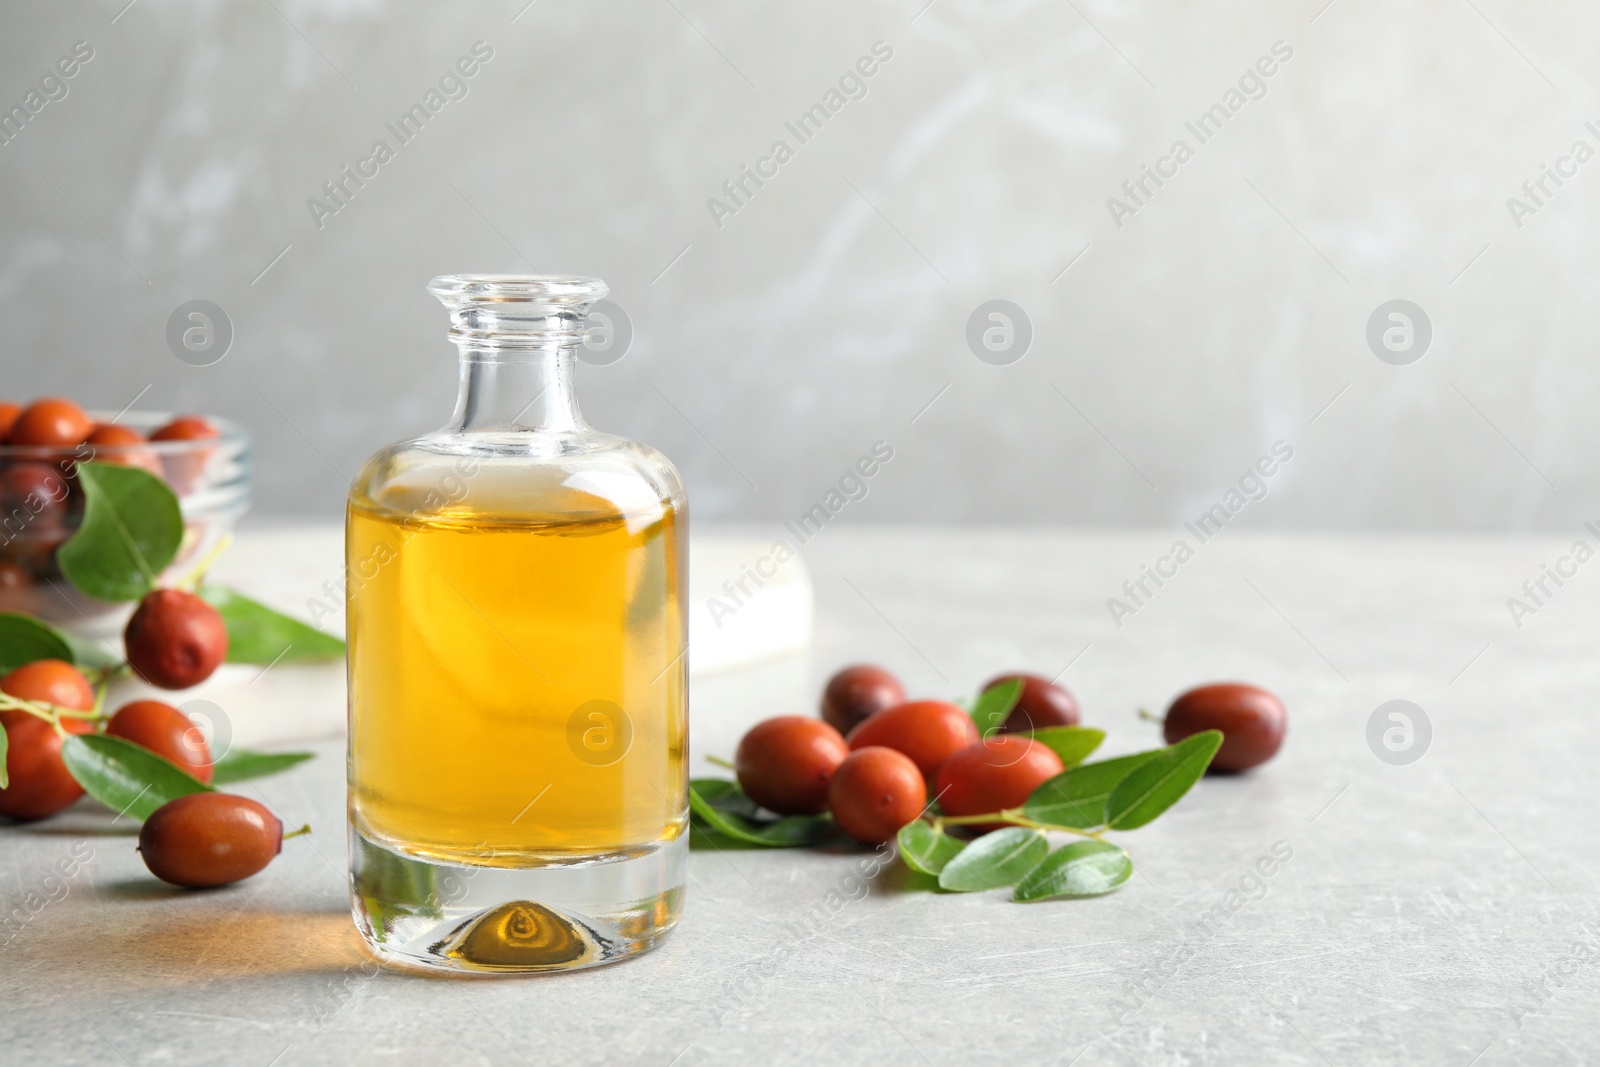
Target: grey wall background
<point>770,352</point>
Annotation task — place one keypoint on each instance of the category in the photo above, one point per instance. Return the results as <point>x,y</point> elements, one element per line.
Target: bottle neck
<point>522,389</point>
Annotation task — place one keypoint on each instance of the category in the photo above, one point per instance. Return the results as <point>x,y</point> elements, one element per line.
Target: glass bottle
<point>518,789</point>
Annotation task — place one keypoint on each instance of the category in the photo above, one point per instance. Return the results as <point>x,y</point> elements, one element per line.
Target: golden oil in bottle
<point>518,703</point>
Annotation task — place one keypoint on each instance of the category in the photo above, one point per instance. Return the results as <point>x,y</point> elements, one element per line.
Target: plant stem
<point>197,574</point>
<point>48,712</point>
<point>306,829</point>
<point>720,762</point>
<point>1148,717</point>
<point>1013,817</point>
<point>102,676</point>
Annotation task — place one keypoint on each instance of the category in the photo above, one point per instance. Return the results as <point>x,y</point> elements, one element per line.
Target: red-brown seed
<point>209,839</point>
<point>175,639</point>
<point>34,495</point>
<point>114,443</point>
<point>857,693</point>
<point>185,469</point>
<point>167,732</point>
<point>14,577</point>
<point>997,773</point>
<point>186,428</point>
<point>1252,721</point>
<point>39,782</point>
<point>929,731</point>
<point>50,681</point>
<point>784,763</point>
<point>1042,704</point>
<point>875,792</point>
<point>51,421</point>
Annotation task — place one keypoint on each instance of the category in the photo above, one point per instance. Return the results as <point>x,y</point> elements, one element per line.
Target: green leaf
<point>725,816</point>
<point>24,639</point>
<point>1072,743</point>
<point>238,764</point>
<point>726,796</point>
<point>124,777</point>
<point>925,849</point>
<point>394,887</point>
<point>1156,786</point>
<point>257,634</point>
<point>1081,869</point>
<point>89,655</point>
<point>131,531</point>
<point>1077,798</point>
<point>994,705</point>
<point>994,860</point>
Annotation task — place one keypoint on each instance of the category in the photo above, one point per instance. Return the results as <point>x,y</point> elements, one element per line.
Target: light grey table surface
<point>1441,913</point>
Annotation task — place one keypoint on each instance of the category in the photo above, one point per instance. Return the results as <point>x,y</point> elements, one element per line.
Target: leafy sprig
<point>115,771</point>
<point>1086,800</point>
<point>132,530</point>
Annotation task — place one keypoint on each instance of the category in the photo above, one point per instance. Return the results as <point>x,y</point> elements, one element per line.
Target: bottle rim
<point>493,315</point>
<point>517,288</point>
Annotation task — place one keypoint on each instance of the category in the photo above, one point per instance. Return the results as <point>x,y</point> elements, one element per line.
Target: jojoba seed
<point>51,681</point>
<point>1042,704</point>
<point>167,732</point>
<point>19,593</point>
<point>51,421</point>
<point>875,792</point>
<point>186,428</point>
<point>175,639</point>
<point>33,494</point>
<point>115,434</point>
<point>185,469</point>
<point>998,772</point>
<point>117,444</point>
<point>929,731</point>
<point>1252,721</point>
<point>39,784</point>
<point>857,693</point>
<point>209,839</point>
<point>784,764</point>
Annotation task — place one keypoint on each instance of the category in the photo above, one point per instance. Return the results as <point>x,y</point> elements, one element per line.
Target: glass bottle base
<point>557,916</point>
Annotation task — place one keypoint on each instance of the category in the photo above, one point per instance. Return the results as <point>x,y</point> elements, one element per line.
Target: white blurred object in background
<point>297,570</point>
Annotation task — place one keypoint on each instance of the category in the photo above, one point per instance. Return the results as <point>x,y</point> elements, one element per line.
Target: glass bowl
<point>41,505</point>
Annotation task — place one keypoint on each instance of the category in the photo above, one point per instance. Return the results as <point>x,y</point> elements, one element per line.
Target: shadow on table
<point>178,945</point>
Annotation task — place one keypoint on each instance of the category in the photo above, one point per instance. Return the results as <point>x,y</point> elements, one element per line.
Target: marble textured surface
<point>1442,912</point>
<point>773,347</point>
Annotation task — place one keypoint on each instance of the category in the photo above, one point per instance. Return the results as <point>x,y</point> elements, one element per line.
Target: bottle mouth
<point>509,311</point>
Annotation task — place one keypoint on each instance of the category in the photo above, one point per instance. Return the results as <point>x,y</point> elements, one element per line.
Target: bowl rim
<point>229,434</point>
